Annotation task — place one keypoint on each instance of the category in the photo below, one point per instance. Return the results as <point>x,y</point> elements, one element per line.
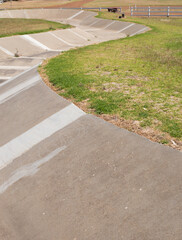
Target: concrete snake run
<point>67,175</point>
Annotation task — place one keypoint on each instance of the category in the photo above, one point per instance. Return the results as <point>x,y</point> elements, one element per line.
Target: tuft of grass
<point>20,26</point>
<point>138,78</point>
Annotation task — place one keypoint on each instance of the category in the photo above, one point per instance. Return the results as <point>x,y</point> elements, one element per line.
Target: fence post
<point>168,9</point>
<point>120,9</point>
<point>131,10</point>
<point>148,11</point>
<point>100,9</point>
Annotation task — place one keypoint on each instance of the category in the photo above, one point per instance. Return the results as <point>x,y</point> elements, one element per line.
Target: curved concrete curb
<point>69,175</point>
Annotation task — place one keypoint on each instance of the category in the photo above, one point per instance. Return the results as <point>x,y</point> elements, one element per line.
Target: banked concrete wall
<point>68,175</point>
<point>89,30</point>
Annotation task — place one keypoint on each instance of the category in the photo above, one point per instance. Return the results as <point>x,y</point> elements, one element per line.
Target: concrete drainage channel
<point>68,175</point>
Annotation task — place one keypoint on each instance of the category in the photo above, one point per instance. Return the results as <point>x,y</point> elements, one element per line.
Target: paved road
<point>68,175</point>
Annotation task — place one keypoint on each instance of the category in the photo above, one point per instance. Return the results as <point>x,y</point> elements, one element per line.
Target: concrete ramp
<point>75,17</point>
<point>65,174</point>
<point>20,45</point>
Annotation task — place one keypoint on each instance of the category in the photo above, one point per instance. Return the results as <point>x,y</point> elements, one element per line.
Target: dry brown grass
<point>106,3</point>
<point>34,4</point>
<point>78,3</point>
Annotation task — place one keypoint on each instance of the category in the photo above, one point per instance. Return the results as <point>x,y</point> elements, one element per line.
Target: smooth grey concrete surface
<point>3,54</point>
<point>68,175</point>
<point>44,55</point>
<point>106,184</point>
<point>9,72</point>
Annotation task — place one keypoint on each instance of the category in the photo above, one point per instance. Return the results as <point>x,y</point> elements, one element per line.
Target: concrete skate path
<point>68,175</point>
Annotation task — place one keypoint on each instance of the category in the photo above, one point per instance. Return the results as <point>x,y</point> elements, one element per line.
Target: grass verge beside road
<point>18,26</point>
<point>135,83</point>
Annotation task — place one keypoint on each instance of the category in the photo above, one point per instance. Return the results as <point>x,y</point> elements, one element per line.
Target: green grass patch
<point>136,78</point>
<point>18,26</point>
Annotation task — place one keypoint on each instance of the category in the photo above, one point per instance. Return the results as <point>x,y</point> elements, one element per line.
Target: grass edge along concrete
<point>21,26</point>
<point>97,84</point>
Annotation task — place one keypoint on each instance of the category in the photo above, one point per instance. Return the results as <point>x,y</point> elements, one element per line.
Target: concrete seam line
<point>19,75</point>
<point>93,29</point>
<point>34,42</point>
<point>62,40</point>
<point>139,31</point>
<point>109,24</point>
<point>26,14</point>
<point>77,34</point>
<point>78,13</point>
<point>98,20</point>
<point>14,67</point>
<point>6,51</point>
<point>10,14</point>
<point>24,57</point>
<point>83,20</point>
<point>126,27</point>
<point>17,89</point>
<point>29,169</point>
<point>21,144</point>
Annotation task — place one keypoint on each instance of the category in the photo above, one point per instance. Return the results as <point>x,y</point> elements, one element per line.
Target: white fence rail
<point>119,9</point>
<point>156,11</point>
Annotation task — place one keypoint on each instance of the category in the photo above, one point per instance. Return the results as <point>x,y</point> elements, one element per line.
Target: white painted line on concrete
<point>18,89</point>
<point>35,42</point>
<point>75,15</point>
<point>9,14</point>
<point>143,29</point>
<point>6,51</point>
<point>126,27</point>
<point>98,20</point>
<point>19,145</point>
<point>109,25</point>
<point>19,75</point>
<point>15,67</point>
<point>62,40</point>
<point>4,78</point>
<point>29,169</point>
<point>77,34</point>
<point>93,29</point>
